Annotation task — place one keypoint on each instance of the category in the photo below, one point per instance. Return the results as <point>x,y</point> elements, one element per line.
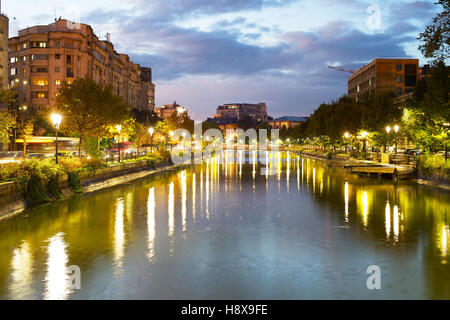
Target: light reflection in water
<point>388,220</point>
<point>57,279</point>
<point>184,199</point>
<point>22,268</point>
<point>365,203</point>
<point>171,207</point>
<point>396,225</point>
<point>194,194</point>
<point>119,235</point>
<point>347,198</point>
<point>444,240</point>
<point>288,172</point>
<point>151,223</point>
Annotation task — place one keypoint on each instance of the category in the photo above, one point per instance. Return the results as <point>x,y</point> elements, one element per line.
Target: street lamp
<point>346,136</point>
<point>388,130</point>
<point>396,129</point>
<point>364,135</point>
<point>56,119</point>
<point>119,129</point>
<point>151,131</point>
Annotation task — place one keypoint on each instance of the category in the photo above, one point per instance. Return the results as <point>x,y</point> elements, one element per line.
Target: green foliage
<point>434,166</point>
<point>428,110</point>
<point>53,188</point>
<point>92,145</point>
<point>35,193</point>
<point>89,109</point>
<point>436,38</point>
<point>92,164</point>
<point>7,121</point>
<point>75,182</point>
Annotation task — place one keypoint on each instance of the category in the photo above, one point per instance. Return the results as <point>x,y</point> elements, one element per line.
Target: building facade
<point>398,76</point>
<point>287,122</point>
<point>4,31</point>
<point>42,57</point>
<point>236,111</point>
<point>165,111</point>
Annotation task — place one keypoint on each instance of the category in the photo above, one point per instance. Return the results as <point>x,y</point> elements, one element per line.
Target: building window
<point>399,79</point>
<point>14,59</point>
<point>57,82</point>
<point>39,95</point>
<point>57,56</point>
<point>40,82</point>
<point>39,57</point>
<point>24,45</point>
<point>57,44</point>
<point>69,59</point>
<point>57,69</point>
<point>43,45</point>
<point>399,67</point>
<point>13,71</point>
<point>399,91</point>
<point>69,73</point>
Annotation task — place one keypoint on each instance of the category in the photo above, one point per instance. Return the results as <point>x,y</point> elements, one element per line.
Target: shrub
<point>434,166</point>
<point>69,165</point>
<point>93,163</point>
<point>75,182</point>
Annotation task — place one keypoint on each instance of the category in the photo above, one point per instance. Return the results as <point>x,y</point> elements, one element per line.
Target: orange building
<point>399,76</point>
<point>287,122</point>
<point>42,57</point>
<point>165,112</point>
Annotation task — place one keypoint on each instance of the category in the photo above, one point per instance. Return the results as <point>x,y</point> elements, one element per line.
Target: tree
<point>428,111</point>
<point>7,121</point>
<point>88,108</point>
<point>436,38</point>
<point>181,121</point>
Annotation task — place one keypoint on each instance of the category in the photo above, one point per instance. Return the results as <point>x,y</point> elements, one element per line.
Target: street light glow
<point>396,128</point>
<point>388,129</point>
<point>347,135</point>
<point>119,128</point>
<point>151,131</point>
<point>56,119</point>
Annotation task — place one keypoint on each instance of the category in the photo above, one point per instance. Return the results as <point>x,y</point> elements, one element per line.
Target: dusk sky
<point>210,52</point>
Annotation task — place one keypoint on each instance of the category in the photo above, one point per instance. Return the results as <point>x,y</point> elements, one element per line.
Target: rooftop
<point>291,119</point>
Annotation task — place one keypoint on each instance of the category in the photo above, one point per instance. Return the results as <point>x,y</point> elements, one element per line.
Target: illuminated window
<point>58,82</point>
<point>42,45</point>
<point>40,82</point>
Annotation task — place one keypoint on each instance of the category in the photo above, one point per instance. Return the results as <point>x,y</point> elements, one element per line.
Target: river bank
<point>13,200</point>
<point>348,162</point>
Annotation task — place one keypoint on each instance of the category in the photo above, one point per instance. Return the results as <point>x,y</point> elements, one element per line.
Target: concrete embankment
<point>12,199</point>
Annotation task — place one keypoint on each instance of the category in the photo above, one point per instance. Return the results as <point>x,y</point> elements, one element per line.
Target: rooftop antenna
<point>54,10</point>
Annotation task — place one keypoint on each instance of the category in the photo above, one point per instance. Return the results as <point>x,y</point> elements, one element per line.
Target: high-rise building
<point>236,111</point>
<point>399,76</point>
<point>4,31</point>
<point>42,57</point>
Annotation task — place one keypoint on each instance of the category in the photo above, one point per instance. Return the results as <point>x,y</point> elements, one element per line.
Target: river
<point>231,231</point>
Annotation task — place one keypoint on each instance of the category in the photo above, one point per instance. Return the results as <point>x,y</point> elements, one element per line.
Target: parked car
<point>414,152</point>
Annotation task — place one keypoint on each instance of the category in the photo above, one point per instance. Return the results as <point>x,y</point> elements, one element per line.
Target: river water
<point>232,231</point>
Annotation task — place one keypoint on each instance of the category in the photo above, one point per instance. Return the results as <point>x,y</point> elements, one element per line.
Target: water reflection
<point>57,279</point>
<point>119,236</point>
<point>22,268</point>
<point>151,224</point>
<point>242,215</point>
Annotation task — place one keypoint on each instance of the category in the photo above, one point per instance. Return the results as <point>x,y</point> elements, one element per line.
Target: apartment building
<point>42,57</point>
<point>4,30</point>
<point>237,111</point>
<point>399,76</point>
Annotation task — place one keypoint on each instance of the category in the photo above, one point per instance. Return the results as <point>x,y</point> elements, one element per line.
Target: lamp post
<point>346,136</point>
<point>56,119</point>
<point>388,130</point>
<point>151,131</point>
<point>364,135</point>
<point>396,129</point>
<point>119,129</point>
